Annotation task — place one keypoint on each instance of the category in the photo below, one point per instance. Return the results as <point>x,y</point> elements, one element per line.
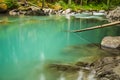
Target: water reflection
<point>68,33</point>
<point>42,77</point>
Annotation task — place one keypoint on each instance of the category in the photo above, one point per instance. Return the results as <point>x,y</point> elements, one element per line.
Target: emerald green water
<point>27,44</point>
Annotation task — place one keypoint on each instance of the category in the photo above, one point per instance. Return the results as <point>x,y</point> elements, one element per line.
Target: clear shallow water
<point>27,44</point>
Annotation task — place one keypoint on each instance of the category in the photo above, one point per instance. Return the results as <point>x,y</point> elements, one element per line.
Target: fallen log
<point>97,27</point>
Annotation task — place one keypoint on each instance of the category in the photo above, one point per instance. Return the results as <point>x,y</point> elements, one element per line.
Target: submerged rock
<point>114,15</point>
<point>112,51</point>
<point>81,64</point>
<point>64,67</point>
<point>111,42</point>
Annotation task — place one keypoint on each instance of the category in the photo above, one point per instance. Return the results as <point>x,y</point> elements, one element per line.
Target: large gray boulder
<point>111,42</point>
<point>114,15</point>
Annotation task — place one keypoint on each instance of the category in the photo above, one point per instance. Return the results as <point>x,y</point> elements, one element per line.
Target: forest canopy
<point>64,4</point>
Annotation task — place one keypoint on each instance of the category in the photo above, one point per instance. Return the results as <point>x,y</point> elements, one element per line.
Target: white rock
<point>111,42</point>
<point>67,11</point>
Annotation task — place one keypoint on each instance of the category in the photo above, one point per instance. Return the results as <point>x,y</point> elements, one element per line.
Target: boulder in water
<point>111,42</point>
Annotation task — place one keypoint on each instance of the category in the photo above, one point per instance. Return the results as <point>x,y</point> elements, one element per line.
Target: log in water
<point>97,27</point>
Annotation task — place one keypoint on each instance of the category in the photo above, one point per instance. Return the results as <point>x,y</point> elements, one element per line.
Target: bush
<point>11,4</point>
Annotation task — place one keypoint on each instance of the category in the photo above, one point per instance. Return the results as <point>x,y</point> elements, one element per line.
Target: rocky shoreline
<point>37,11</point>
<point>34,10</point>
<point>105,68</point>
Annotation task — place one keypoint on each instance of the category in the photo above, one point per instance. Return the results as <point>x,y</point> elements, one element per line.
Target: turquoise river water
<point>28,44</point>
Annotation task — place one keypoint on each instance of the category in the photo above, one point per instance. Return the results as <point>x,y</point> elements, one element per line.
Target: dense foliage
<point>73,4</point>
<point>83,4</point>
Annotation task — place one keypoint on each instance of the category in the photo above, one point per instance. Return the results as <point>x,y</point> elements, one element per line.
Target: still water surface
<point>28,44</point>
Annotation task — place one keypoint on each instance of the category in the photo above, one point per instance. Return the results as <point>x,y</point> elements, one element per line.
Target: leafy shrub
<point>11,4</point>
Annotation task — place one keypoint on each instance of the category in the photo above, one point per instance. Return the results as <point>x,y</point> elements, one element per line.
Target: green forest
<point>64,4</point>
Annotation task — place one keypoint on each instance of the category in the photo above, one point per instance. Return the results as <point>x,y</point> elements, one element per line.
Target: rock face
<point>67,11</point>
<point>70,67</point>
<point>111,42</point>
<point>114,15</point>
<point>107,68</point>
<point>28,11</point>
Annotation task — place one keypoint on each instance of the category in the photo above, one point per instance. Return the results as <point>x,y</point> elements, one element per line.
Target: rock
<point>82,64</point>
<point>64,67</point>
<point>63,12</point>
<point>98,13</point>
<point>111,42</point>
<point>111,51</point>
<point>101,11</point>
<point>31,10</point>
<point>114,15</point>
<point>67,11</point>
<point>48,10</point>
<point>14,12</point>
<point>107,68</point>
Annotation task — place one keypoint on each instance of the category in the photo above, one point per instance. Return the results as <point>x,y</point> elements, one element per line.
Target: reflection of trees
<point>93,35</point>
<point>4,20</point>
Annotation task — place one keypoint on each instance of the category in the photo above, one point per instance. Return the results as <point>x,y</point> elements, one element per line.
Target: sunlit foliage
<point>58,4</point>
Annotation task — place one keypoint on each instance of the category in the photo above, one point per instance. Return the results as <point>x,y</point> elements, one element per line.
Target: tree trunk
<point>43,3</point>
<point>97,27</point>
<point>69,2</point>
<point>81,2</point>
<point>108,3</point>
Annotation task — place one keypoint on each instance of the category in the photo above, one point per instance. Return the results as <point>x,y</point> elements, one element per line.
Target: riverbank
<point>29,8</point>
<point>102,68</point>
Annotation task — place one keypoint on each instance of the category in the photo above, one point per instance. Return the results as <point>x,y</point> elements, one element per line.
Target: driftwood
<point>97,27</point>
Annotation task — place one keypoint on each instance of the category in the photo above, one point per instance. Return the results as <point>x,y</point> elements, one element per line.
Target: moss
<point>3,6</point>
